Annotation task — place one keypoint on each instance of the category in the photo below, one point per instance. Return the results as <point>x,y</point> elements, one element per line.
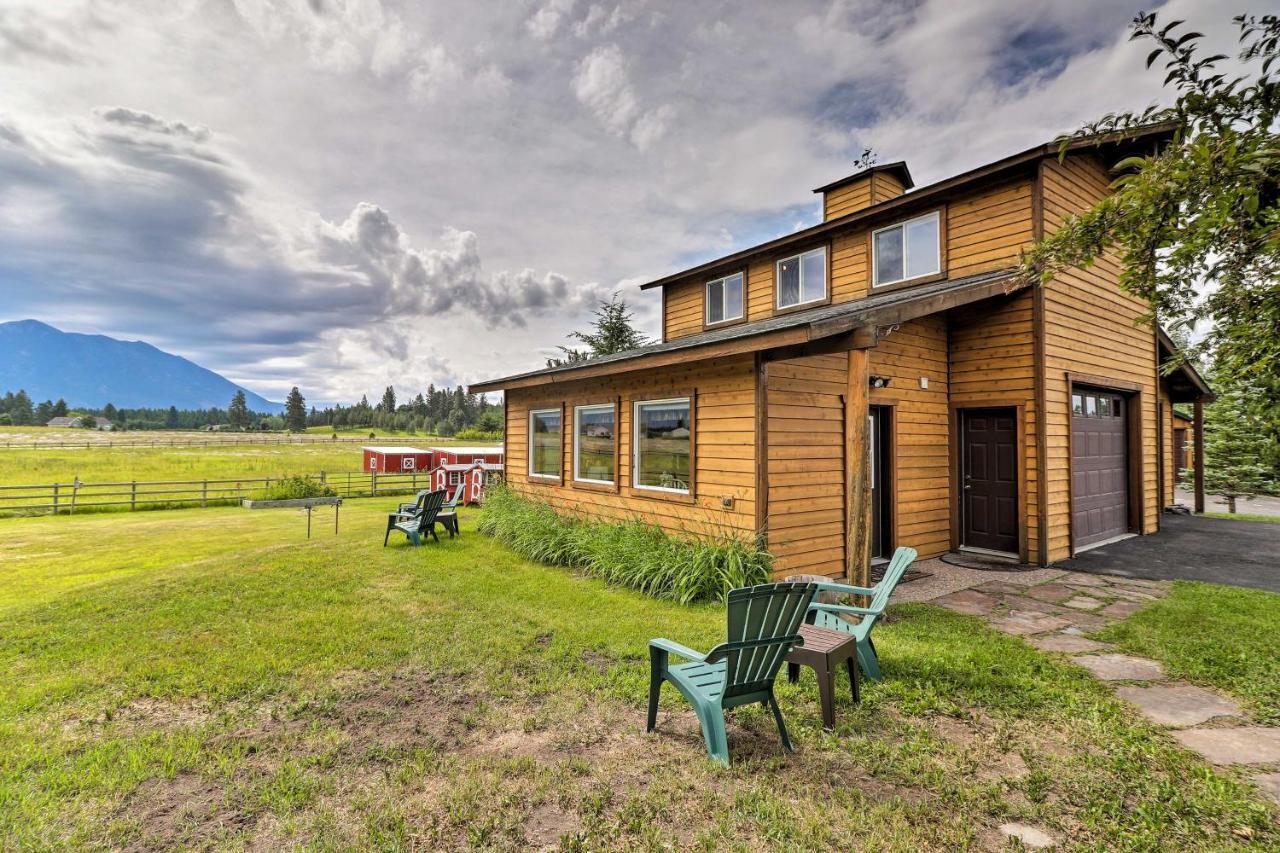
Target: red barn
<point>468,455</point>
<point>397,460</point>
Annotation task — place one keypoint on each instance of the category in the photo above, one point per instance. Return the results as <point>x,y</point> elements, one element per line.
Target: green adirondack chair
<point>826,615</point>
<point>764,623</point>
<point>421,521</point>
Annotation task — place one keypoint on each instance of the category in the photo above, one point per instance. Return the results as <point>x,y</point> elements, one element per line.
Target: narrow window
<point>724,299</point>
<point>907,250</point>
<point>594,434</point>
<point>544,443</point>
<point>455,478</point>
<point>1077,404</point>
<point>802,278</point>
<point>1091,406</point>
<point>662,445</point>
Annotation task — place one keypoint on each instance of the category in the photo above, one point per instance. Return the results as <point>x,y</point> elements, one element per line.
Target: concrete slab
<point>968,601</point>
<point>1033,838</point>
<point>1178,704</point>
<point>1121,609</point>
<point>1269,785</point>
<point>1051,592</point>
<point>1067,644</point>
<point>1118,667</point>
<point>1082,602</point>
<point>1021,623</point>
<point>1240,745</point>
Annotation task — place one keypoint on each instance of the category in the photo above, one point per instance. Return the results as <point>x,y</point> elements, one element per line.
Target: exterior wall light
<point>879,381</point>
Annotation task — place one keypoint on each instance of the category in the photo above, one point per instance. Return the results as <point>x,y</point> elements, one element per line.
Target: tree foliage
<point>1236,444</point>
<point>295,411</point>
<point>238,416</point>
<point>612,332</point>
<point>1196,224</point>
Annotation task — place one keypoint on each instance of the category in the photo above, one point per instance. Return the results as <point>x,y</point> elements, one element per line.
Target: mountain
<point>93,370</point>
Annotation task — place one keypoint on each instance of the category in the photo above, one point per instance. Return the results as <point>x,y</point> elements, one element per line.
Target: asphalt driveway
<point>1238,553</point>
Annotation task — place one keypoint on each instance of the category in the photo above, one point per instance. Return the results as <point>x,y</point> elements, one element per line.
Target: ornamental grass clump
<point>630,553</point>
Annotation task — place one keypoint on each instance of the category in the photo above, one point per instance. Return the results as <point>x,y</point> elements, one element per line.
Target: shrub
<point>291,488</point>
<point>477,434</point>
<point>631,553</point>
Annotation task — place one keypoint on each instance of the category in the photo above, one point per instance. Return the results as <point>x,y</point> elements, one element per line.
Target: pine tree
<point>44,412</point>
<point>613,334</point>
<point>22,412</point>
<point>388,403</point>
<point>60,408</point>
<point>110,412</point>
<point>295,411</point>
<point>171,418</point>
<point>1235,444</point>
<point>238,411</point>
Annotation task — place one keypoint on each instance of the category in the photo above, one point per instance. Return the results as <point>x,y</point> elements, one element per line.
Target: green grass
<point>1217,636</point>
<point>1244,516</point>
<point>209,678</point>
<point>22,466</point>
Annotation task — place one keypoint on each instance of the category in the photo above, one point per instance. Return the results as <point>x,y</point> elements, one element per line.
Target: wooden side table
<point>823,651</point>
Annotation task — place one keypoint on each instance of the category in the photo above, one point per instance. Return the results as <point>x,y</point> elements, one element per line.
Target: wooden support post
<point>857,471</point>
<point>133,495</point>
<point>1198,438</point>
<point>55,498</point>
<point>204,494</point>
<point>373,479</point>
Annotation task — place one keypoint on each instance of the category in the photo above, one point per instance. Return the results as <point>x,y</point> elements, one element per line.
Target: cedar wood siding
<point>844,200</point>
<point>806,464</point>
<point>724,433</point>
<point>1090,327</point>
<point>985,229</point>
<point>921,486</point>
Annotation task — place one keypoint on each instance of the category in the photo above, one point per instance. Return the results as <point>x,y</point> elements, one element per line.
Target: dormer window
<point>724,299</point>
<point>802,278</point>
<point>906,250</point>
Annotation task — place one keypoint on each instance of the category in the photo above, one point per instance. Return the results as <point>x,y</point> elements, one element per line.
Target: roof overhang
<point>835,328</point>
<point>1184,382</point>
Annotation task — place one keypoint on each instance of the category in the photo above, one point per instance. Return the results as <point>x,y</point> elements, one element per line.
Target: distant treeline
<point>441,411</point>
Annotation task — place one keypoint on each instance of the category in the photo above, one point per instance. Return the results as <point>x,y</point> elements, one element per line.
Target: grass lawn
<point>1244,516</point>
<point>211,678</point>
<point>22,466</point>
<point>1218,636</point>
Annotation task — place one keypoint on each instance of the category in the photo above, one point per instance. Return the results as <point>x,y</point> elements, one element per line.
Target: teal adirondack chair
<point>764,623</point>
<point>828,615</point>
<point>422,521</point>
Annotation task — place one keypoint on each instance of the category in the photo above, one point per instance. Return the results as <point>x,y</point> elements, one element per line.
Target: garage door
<point>1099,467</point>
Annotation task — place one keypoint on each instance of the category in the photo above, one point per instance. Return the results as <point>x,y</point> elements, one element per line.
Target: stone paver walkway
<point>1053,610</point>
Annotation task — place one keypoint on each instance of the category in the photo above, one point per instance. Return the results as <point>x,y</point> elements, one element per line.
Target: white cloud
<point>602,84</point>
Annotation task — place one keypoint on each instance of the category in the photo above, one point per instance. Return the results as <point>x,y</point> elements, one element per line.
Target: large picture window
<point>663,445</point>
<point>802,278</point>
<point>594,441</point>
<point>724,299</point>
<point>907,250</point>
<point>544,444</point>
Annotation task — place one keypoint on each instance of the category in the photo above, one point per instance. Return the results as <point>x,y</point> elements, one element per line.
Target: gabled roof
<point>899,170</point>
<point>793,329</point>
<point>1185,382</point>
<point>932,193</point>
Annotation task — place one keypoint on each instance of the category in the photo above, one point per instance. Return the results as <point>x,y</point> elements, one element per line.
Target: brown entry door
<point>1099,467</point>
<point>989,479</point>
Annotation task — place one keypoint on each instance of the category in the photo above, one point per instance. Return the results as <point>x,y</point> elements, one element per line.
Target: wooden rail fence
<point>140,494</point>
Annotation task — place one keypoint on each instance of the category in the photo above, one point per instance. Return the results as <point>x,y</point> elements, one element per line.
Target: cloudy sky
<point>342,194</point>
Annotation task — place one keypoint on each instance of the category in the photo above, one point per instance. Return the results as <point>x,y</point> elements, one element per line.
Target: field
<point>24,465</point>
<point>209,678</point>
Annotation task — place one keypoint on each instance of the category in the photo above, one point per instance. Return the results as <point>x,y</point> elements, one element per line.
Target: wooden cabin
<point>882,378</point>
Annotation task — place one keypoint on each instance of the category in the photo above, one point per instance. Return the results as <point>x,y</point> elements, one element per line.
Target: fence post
<point>373,478</point>
<point>55,498</point>
<point>322,478</point>
<point>204,494</point>
<point>133,496</point>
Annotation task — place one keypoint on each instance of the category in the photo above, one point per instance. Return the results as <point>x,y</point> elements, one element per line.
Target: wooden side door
<point>989,479</point>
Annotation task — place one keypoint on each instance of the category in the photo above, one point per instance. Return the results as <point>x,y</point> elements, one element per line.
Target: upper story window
<point>724,299</point>
<point>907,250</point>
<point>802,278</point>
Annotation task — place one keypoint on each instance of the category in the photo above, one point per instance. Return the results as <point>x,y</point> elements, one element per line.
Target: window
<point>907,250</point>
<point>594,437</point>
<point>1095,405</point>
<point>455,478</point>
<point>544,443</point>
<point>1077,404</point>
<point>802,278</point>
<point>662,446</point>
<point>724,299</point>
